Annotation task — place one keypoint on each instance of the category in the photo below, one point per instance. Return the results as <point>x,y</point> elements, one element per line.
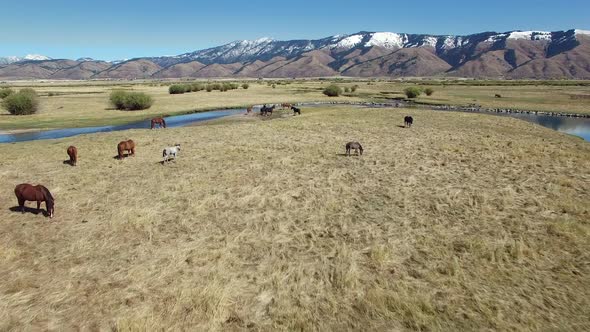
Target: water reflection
<point>573,126</point>
<point>172,121</point>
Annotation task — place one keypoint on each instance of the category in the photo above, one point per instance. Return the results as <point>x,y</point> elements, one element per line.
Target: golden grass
<point>83,104</point>
<point>463,222</point>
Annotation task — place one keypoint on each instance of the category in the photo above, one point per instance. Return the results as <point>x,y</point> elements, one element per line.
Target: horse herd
<point>267,110</point>
<point>39,193</point>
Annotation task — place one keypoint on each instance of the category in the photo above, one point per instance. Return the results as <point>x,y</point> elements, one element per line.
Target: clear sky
<point>111,30</point>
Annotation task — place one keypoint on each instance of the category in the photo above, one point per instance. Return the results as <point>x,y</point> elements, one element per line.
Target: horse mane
<point>47,194</point>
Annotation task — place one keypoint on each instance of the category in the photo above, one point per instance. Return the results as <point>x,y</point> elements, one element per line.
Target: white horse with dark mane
<point>170,153</point>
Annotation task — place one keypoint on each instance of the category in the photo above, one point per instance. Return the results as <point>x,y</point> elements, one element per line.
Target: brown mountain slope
<point>403,62</point>
<point>570,64</point>
<point>81,71</point>
<point>359,56</point>
<point>312,64</point>
<point>490,64</point>
<point>132,69</point>
<point>188,69</point>
<point>218,70</point>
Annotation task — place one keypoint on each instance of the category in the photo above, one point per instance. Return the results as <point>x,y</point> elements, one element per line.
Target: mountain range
<point>510,55</point>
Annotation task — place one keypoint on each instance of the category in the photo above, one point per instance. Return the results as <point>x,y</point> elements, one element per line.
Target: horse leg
<point>39,206</point>
<point>21,204</point>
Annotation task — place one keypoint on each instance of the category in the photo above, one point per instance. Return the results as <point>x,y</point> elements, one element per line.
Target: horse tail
<point>163,153</point>
<point>164,122</point>
<point>361,148</point>
<point>120,148</point>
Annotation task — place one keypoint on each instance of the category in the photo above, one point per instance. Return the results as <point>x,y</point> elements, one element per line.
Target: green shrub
<point>429,91</point>
<point>245,86</point>
<point>51,94</point>
<point>332,90</point>
<point>413,92</point>
<point>5,92</point>
<point>209,88</point>
<point>131,101</point>
<point>197,87</point>
<point>138,101</point>
<point>216,86</point>
<point>347,89</point>
<point>274,86</point>
<point>21,103</point>
<point>354,87</point>
<point>176,89</point>
<point>28,91</point>
<point>117,99</point>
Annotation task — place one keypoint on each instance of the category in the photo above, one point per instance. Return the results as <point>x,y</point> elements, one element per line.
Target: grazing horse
<point>248,110</point>
<point>26,192</point>
<point>170,153</point>
<point>125,146</point>
<point>296,110</point>
<point>286,106</point>
<point>408,120</point>
<point>73,153</point>
<point>158,122</point>
<point>356,146</point>
<point>265,110</point>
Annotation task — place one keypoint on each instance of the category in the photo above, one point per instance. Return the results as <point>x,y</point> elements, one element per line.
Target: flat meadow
<point>461,222</point>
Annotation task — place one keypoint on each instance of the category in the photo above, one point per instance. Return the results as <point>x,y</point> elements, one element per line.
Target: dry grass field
<point>83,104</point>
<point>465,222</point>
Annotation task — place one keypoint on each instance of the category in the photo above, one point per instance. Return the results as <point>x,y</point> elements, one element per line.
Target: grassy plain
<point>463,222</point>
<point>83,104</point>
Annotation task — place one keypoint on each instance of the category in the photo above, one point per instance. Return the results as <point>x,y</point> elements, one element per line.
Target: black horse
<point>266,111</point>
<point>408,120</point>
<point>296,110</point>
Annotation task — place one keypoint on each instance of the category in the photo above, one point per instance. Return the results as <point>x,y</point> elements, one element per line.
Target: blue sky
<point>113,30</point>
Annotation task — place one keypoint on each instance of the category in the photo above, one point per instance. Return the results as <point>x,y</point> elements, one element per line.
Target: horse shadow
<point>401,126</point>
<point>124,157</point>
<point>29,210</point>
<point>345,155</point>
<point>67,162</point>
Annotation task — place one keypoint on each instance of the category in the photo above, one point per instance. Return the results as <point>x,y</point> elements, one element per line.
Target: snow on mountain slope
<point>28,57</point>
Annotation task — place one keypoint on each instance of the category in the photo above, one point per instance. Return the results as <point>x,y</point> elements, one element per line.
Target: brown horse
<point>126,146</point>
<point>159,121</point>
<point>286,106</point>
<point>73,153</point>
<point>248,110</point>
<point>26,192</point>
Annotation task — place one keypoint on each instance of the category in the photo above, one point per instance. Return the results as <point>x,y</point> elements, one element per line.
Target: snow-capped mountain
<point>264,49</point>
<point>512,54</point>
<point>28,57</point>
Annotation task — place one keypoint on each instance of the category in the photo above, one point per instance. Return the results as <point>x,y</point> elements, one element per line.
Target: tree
<point>413,92</point>
<point>429,91</point>
<point>245,86</point>
<point>332,90</point>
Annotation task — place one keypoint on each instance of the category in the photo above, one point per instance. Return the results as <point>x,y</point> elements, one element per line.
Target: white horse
<point>170,153</point>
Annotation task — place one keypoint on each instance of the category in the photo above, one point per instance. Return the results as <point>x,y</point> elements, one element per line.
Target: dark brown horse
<point>73,153</point>
<point>26,192</point>
<point>126,146</point>
<point>356,146</point>
<point>248,110</point>
<point>286,106</point>
<point>158,122</point>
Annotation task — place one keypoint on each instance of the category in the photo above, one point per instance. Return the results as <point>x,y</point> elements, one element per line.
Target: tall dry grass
<point>463,222</point>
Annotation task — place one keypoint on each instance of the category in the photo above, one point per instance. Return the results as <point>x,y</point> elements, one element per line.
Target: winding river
<point>570,125</point>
